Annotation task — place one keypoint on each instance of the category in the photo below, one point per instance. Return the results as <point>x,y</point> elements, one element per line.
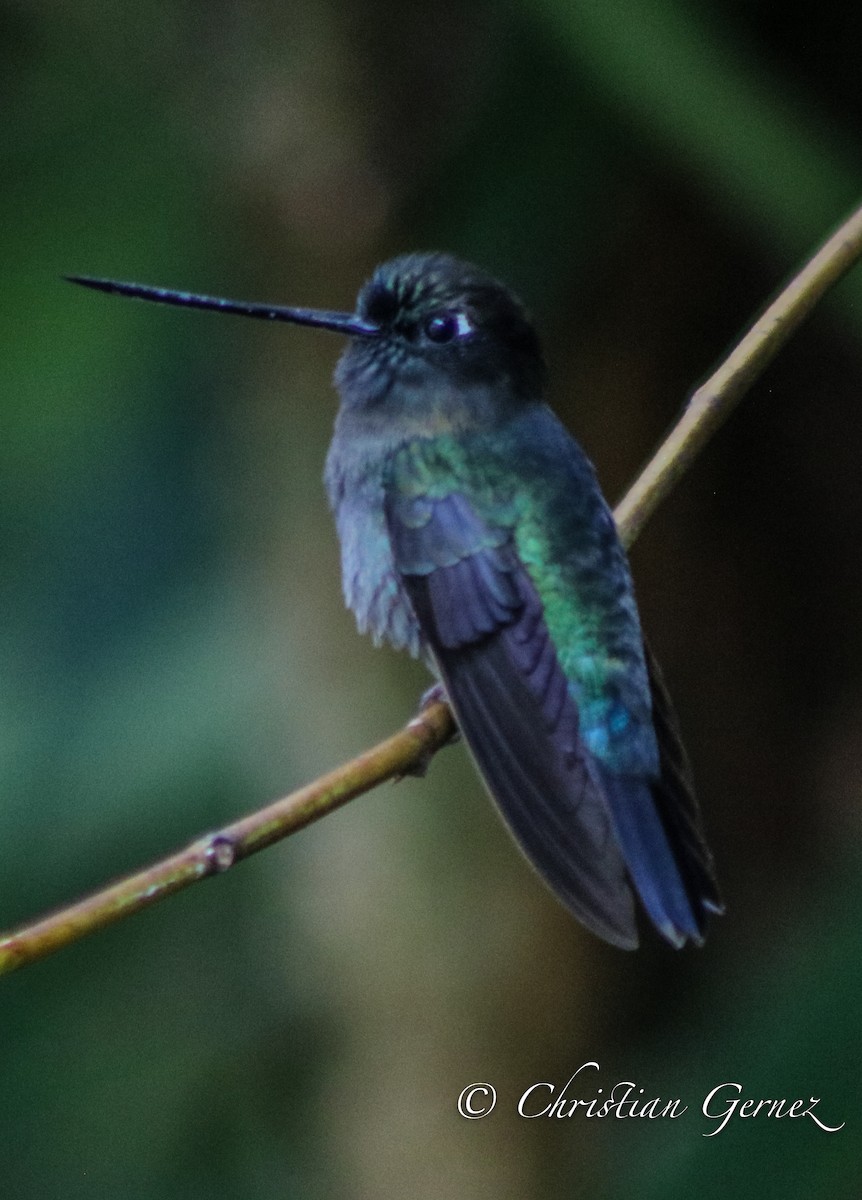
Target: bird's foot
<point>433,696</point>
<point>436,694</point>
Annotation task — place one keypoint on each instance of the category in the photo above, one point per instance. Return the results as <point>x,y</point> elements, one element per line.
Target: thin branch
<point>409,751</point>
<point>714,401</point>
<point>406,752</point>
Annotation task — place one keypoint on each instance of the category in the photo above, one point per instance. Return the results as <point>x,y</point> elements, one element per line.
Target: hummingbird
<point>473,533</point>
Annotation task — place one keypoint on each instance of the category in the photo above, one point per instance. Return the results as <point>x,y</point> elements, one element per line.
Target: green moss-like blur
<point>174,649</point>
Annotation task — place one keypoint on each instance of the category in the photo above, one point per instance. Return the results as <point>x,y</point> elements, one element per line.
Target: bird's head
<point>433,340</point>
<point>443,329</point>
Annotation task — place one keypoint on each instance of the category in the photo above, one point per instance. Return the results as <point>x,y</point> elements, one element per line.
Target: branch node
<point>217,853</point>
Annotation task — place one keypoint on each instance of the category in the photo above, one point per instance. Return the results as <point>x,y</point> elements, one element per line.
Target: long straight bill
<point>345,323</point>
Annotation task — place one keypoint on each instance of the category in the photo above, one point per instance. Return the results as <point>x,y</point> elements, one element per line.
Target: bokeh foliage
<point>174,649</point>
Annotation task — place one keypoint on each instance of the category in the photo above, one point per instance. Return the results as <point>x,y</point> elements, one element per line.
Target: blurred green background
<point>174,650</point>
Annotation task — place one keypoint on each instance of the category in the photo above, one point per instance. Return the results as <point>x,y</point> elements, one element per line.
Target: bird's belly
<point>373,593</point>
<point>372,589</point>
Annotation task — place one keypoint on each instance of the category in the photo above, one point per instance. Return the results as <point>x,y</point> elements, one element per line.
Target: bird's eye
<point>447,326</point>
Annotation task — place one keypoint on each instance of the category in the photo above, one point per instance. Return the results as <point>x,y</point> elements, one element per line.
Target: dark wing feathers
<point>438,533</point>
<point>674,798</point>
<point>461,603</point>
<point>580,825</point>
<point>529,757</point>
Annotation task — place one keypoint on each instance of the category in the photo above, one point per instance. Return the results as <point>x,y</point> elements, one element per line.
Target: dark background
<point>174,650</point>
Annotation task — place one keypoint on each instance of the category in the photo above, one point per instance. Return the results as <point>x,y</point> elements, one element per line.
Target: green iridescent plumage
<point>552,511</point>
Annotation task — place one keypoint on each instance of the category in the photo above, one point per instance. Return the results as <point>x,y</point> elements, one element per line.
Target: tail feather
<point>652,864</point>
<point>675,800</point>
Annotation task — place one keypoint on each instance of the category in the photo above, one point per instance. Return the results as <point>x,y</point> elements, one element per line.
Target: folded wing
<point>585,829</point>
